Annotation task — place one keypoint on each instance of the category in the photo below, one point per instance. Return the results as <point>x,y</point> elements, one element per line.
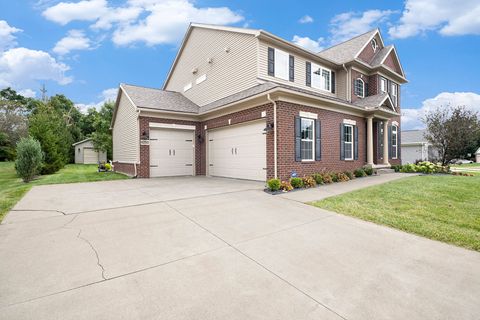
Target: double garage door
<point>237,151</point>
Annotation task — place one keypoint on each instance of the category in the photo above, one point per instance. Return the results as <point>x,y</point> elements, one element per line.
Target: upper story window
<point>307,145</point>
<point>394,92</point>
<point>280,64</point>
<point>321,77</point>
<point>374,45</point>
<point>359,88</point>
<point>394,142</point>
<point>383,85</point>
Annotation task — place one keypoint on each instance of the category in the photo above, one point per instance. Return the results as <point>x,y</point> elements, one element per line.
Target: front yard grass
<point>439,207</point>
<point>466,165</point>
<point>13,188</point>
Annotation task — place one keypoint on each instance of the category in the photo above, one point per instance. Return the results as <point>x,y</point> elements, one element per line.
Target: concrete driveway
<point>204,248</point>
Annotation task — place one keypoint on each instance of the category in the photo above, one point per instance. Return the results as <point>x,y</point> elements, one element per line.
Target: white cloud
<point>308,43</point>
<point>306,19</point>
<point>29,93</point>
<point>447,17</point>
<point>117,15</point>
<point>412,118</point>
<point>7,38</point>
<point>86,10</point>
<point>347,25</point>
<point>167,20</point>
<point>107,95</point>
<point>20,68</point>
<point>75,40</point>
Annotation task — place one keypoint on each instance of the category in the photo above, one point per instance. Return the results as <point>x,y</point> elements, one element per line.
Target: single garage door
<point>238,151</point>
<point>171,152</point>
<point>90,156</point>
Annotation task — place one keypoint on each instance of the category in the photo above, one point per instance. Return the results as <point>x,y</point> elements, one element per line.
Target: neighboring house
<point>477,156</point>
<point>86,154</point>
<point>247,104</point>
<point>415,147</point>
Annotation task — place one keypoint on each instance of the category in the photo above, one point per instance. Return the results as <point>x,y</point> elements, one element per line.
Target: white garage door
<point>171,152</point>
<point>90,156</point>
<point>238,151</point>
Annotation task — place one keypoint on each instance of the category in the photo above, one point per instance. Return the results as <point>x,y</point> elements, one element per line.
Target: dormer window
<point>374,45</point>
<point>359,88</point>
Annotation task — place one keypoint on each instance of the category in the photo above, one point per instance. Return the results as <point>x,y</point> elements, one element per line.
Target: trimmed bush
<point>29,158</point>
<point>349,174</point>
<point>397,167</point>
<point>318,178</point>
<point>309,182</point>
<point>296,182</point>
<point>368,171</point>
<point>360,173</point>
<point>286,186</point>
<point>334,177</point>
<point>409,168</point>
<point>273,184</point>
<point>342,177</point>
<point>327,178</point>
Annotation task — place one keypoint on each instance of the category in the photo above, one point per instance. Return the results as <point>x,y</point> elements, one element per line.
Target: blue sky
<point>84,49</point>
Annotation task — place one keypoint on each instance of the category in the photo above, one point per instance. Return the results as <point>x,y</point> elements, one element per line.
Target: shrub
<point>296,182</point>
<point>334,177</point>
<point>368,171</point>
<point>342,177</point>
<point>360,173</point>
<point>29,158</point>
<point>349,174</point>
<point>309,182</point>
<point>396,167</point>
<point>273,184</point>
<point>327,178</point>
<point>318,178</point>
<point>409,168</point>
<point>286,186</point>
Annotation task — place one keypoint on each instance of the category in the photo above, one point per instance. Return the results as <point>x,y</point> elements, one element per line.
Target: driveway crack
<point>95,251</point>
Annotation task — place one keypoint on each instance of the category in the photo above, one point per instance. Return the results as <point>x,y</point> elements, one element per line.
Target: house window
<point>394,93</point>
<point>321,77</point>
<point>348,141</point>
<point>383,85</point>
<point>281,64</point>
<point>394,142</point>
<point>374,45</point>
<point>307,144</point>
<point>360,88</point>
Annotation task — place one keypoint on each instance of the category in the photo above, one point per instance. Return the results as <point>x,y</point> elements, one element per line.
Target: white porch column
<point>370,140</point>
<point>385,143</point>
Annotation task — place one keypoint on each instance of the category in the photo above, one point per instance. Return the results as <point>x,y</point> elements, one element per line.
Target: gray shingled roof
<point>413,136</point>
<point>158,99</point>
<point>371,101</point>
<point>346,51</point>
<point>381,54</point>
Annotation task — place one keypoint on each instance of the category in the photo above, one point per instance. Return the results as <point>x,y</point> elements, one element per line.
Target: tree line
<point>55,123</point>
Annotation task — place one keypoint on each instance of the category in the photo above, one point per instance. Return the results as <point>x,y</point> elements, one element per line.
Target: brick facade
<point>126,168</point>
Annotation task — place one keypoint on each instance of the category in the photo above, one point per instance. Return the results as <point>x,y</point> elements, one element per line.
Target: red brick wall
<point>330,122</point>
<point>367,54</point>
<point>391,62</point>
<point>373,85</point>
<point>127,168</point>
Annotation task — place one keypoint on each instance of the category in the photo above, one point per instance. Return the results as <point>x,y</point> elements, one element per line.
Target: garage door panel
<point>238,151</point>
<point>171,152</point>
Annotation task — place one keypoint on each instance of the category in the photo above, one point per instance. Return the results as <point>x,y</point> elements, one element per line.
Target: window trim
<point>394,97</point>
<point>363,88</point>
<point>322,82</point>
<point>374,44</point>
<point>312,140</point>
<point>383,79</point>
<point>395,128</point>
<point>277,64</point>
<point>351,142</point>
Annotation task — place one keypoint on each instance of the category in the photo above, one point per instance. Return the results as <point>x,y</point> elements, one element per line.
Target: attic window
<point>374,45</point>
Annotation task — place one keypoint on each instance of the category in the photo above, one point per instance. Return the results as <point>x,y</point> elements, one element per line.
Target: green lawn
<point>13,188</point>
<point>466,165</point>
<point>439,207</point>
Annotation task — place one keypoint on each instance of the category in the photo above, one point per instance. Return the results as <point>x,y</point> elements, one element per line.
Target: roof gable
<point>392,61</point>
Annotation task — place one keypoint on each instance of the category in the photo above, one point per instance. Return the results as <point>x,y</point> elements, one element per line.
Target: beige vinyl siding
<point>300,69</point>
<point>229,72</point>
<point>341,84</point>
<point>125,132</point>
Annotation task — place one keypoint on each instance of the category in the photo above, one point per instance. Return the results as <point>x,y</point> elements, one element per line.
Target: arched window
<point>359,88</point>
<point>374,45</point>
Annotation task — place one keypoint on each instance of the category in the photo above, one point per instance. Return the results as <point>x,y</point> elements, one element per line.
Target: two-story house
<point>247,104</point>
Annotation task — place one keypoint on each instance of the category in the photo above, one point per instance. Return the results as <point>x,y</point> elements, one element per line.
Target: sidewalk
<point>334,189</point>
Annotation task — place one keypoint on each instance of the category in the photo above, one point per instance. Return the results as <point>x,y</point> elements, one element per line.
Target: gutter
<point>274,135</point>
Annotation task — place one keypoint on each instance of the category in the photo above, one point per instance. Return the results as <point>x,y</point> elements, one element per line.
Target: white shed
<point>86,154</point>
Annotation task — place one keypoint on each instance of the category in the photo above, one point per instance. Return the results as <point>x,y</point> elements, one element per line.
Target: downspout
<point>348,83</point>
<point>138,154</point>
<point>274,135</point>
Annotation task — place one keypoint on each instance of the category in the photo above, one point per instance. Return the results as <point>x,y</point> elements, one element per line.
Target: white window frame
<point>363,88</point>
<point>374,44</point>
<point>312,121</point>
<point>394,87</point>
<point>282,64</point>
<point>395,131</point>
<point>383,81</point>
<point>319,77</point>
<point>349,143</point>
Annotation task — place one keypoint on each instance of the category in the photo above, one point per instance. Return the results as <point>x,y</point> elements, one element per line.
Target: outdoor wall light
<point>144,135</point>
<point>268,128</point>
